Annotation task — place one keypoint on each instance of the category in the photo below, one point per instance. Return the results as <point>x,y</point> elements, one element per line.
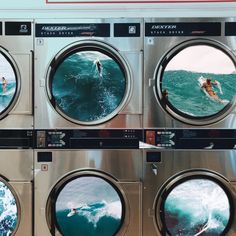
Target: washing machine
<point>93,191</point>
<point>189,192</point>
<point>189,73</point>
<point>16,176</point>
<point>16,66</point>
<point>88,73</point>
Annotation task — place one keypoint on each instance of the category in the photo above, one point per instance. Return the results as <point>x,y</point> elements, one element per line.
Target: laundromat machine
<point>189,73</point>
<point>16,73</point>
<point>88,73</point>
<point>16,187</point>
<point>88,182</point>
<point>16,127</point>
<point>188,188</point>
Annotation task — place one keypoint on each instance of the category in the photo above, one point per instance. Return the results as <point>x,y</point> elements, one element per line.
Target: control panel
<point>88,139</point>
<point>19,139</point>
<point>190,138</point>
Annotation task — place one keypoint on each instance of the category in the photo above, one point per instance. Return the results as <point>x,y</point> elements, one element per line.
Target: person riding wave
<point>208,86</point>
<point>98,66</point>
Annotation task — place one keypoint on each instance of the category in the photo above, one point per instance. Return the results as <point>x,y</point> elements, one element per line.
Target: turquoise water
<point>88,206</point>
<point>7,96</point>
<point>185,94</point>
<point>8,211</point>
<point>90,221</point>
<point>84,94</point>
<point>197,207</point>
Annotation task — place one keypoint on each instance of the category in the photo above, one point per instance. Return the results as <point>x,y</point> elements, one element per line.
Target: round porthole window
<point>88,83</point>
<point>195,205</point>
<point>195,82</point>
<point>87,204</point>
<point>9,83</point>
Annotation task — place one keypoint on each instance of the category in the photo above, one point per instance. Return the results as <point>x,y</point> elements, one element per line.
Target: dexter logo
<point>162,27</point>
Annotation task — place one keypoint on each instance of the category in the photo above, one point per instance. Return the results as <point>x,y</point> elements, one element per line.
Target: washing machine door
<point>196,82</point>
<point>9,209</point>
<point>9,83</point>
<point>88,82</point>
<point>195,203</point>
<point>86,203</point>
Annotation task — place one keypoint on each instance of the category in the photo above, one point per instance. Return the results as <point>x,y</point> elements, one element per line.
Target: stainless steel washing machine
<point>189,73</point>
<point>88,73</point>
<point>87,192</point>
<point>16,176</point>
<point>189,192</point>
<point>16,66</point>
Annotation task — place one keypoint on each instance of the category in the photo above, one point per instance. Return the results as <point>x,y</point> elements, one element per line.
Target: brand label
<point>72,30</point>
<point>183,29</point>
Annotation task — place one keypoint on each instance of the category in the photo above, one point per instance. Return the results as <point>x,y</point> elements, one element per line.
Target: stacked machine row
<point>108,127</point>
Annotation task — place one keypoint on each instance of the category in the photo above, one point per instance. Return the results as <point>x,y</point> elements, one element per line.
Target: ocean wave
<point>95,211</point>
<point>93,55</point>
<point>197,206</point>
<point>8,211</point>
<point>84,94</point>
<point>185,94</point>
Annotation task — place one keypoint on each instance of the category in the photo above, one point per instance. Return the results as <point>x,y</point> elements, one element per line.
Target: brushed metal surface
<point>154,114</point>
<point>130,115</point>
<point>113,163</point>
<point>221,162</point>
<point>16,165</point>
<point>20,49</point>
<point>25,197</point>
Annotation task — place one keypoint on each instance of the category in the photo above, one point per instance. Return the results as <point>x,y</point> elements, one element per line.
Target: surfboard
<point>71,213</point>
<point>201,81</point>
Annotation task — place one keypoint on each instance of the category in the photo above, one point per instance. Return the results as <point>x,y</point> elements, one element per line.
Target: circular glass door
<point>196,205</point>
<point>9,209</point>
<point>88,205</point>
<point>88,83</point>
<point>9,84</point>
<point>196,82</point>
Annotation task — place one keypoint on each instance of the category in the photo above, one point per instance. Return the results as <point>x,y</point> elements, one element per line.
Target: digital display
<point>88,206</point>
<point>7,83</point>
<point>88,86</point>
<point>199,81</point>
<point>196,207</point>
<point>8,210</point>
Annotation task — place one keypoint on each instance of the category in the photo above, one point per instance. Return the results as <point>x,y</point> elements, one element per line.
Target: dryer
<point>16,176</point>
<point>93,191</point>
<point>189,73</point>
<point>16,71</point>
<point>88,73</point>
<point>189,192</point>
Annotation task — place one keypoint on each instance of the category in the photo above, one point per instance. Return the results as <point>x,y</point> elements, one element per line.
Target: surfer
<point>4,84</point>
<point>98,66</point>
<point>72,212</point>
<point>208,86</point>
